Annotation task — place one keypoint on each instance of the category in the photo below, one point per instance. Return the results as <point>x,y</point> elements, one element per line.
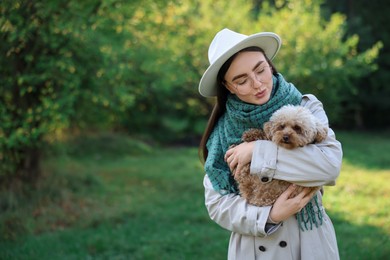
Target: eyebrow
<point>244,74</point>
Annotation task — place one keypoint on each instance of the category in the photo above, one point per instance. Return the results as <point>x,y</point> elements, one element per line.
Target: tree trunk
<point>28,169</point>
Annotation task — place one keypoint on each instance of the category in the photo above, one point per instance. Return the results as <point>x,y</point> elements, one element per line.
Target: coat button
<point>264,179</point>
<point>283,244</point>
<point>262,248</point>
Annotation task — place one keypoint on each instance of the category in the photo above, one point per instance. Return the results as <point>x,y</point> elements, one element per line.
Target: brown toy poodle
<point>289,127</point>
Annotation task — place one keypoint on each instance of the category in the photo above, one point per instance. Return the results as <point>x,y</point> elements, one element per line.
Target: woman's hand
<point>284,206</point>
<point>238,156</point>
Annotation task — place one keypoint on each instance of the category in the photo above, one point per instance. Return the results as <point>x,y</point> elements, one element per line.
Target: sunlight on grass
<point>361,196</point>
<point>359,206</point>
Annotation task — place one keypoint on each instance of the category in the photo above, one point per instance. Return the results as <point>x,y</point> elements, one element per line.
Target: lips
<point>261,94</point>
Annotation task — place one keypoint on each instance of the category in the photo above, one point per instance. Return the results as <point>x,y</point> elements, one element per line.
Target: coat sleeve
<point>233,213</point>
<point>312,165</point>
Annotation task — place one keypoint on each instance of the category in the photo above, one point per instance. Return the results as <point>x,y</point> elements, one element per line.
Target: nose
<point>256,83</point>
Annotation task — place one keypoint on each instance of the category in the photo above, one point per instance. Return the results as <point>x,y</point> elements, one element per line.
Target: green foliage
<point>69,65</point>
<point>316,54</point>
<point>45,66</point>
<point>369,21</point>
<point>170,56</point>
<point>57,75</point>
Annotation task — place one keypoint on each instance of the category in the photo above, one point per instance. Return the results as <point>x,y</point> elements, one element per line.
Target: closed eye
<point>241,82</point>
<point>260,71</point>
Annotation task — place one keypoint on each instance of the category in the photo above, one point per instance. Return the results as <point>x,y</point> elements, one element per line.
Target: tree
<point>170,52</point>
<point>45,64</point>
<point>369,21</point>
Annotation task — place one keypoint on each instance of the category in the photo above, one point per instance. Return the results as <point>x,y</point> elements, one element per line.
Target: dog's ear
<point>267,127</point>
<point>252,134</point>
<point>322,132</point>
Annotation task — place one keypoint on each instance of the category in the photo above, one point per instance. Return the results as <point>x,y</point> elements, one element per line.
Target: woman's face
<point>250,77</point>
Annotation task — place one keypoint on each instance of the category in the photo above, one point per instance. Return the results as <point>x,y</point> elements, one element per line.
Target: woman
<point>248,90</point>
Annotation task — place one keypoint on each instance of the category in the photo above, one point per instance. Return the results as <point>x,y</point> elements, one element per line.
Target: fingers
<point>238,169</point>
<point>312,193</point>
<point>231,160</point>
<point>305,196</point>
<point>307,193</point>
<point>285,206</point>
<point>289,191</point>
<point>239,156</point>
<point>228,154</point>
<point>303,193</point>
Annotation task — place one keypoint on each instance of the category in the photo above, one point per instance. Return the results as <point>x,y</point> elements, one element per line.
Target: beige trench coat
<point>253,237</point>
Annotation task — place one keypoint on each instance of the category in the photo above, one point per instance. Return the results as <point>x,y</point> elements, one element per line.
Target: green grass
<point>359,204</point>
<point>147,203</point>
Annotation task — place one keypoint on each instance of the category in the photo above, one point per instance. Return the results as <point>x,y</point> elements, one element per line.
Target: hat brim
<point>269,42</point>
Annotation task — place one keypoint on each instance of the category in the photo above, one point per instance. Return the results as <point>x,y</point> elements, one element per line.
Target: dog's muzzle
<point>286,138</point>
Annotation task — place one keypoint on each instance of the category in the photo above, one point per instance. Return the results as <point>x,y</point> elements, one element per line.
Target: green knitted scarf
<point>239,117</point>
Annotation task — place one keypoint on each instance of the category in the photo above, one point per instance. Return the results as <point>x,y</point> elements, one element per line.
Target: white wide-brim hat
<point>224,45</point>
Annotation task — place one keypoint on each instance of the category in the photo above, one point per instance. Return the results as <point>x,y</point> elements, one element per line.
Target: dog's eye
<point>281,127</point>
<point>297,129</point>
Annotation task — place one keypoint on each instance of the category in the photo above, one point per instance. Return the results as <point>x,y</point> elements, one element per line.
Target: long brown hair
<point>222,94</point>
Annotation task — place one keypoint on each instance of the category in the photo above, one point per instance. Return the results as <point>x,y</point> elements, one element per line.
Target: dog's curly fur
<point>289,127</point>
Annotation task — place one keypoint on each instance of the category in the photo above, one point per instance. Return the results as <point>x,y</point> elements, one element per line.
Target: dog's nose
<point>286,138</point>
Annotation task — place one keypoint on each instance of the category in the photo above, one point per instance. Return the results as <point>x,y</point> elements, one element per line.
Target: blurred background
<point>100,113</point>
